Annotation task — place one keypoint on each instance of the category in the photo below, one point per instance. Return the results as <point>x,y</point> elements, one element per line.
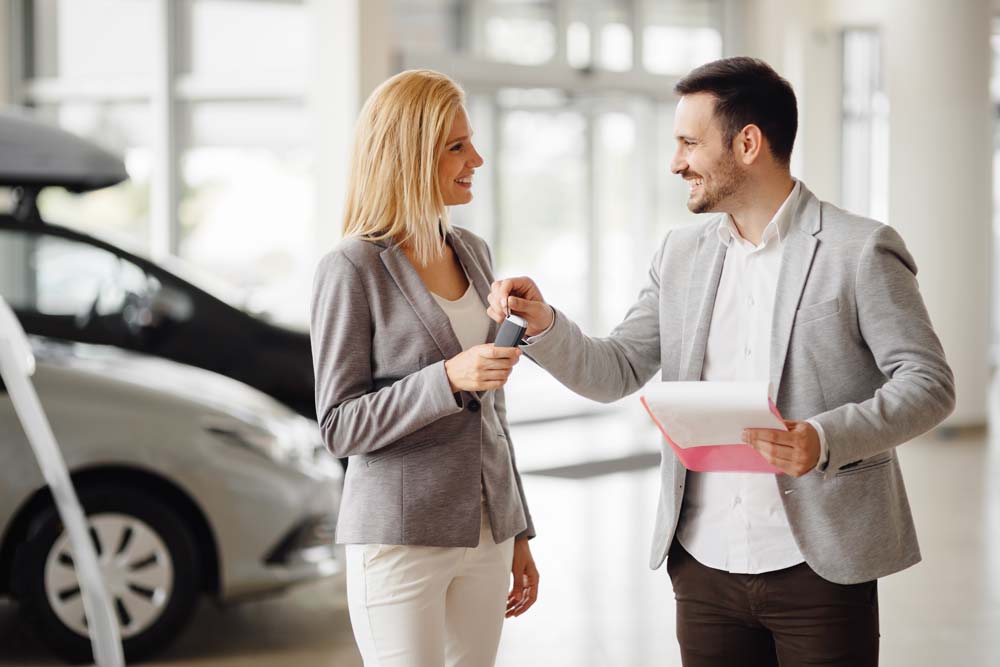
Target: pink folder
<point>737,457</point>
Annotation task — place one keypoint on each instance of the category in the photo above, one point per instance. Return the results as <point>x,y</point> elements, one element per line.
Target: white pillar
<point>790,36</point>
<point>164,192</point>
<point>7,60</point>
<point>7,56</point>
<point>353,56</point>
<point>940,177</point>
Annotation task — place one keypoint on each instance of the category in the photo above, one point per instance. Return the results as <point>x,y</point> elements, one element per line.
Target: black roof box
<point>35,154</point>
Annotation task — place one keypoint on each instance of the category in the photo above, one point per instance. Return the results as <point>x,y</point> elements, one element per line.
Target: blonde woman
<point>410,388</point>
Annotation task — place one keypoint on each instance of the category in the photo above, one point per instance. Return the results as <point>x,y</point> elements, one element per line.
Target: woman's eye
<point>456,147</point>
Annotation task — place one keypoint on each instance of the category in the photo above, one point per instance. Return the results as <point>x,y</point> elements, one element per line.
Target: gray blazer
<point>417,451</point>
<point>852,346</point>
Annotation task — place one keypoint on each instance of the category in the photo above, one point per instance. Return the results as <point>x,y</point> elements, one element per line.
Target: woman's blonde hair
<point>393,190</point>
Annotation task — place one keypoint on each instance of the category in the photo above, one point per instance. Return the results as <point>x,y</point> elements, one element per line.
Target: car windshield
<point>207,282</point>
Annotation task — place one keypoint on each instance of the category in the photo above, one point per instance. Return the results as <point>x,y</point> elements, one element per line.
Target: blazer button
<point>473,405</point>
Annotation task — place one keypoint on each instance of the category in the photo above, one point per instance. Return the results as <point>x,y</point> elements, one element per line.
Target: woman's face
<point>458,162</point>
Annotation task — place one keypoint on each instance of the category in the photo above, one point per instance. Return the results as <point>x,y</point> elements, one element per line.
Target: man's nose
<point>678,164</point>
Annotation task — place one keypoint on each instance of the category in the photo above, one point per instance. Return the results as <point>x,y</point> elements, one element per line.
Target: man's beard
<point>728,181</point>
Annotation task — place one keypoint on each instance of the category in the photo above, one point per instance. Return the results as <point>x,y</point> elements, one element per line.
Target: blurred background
<point>234,119</point>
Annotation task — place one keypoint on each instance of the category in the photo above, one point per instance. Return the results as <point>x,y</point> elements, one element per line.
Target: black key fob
<point>511,332</point>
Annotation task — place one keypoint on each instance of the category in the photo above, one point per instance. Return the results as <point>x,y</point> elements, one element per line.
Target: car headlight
<point>256,438</point>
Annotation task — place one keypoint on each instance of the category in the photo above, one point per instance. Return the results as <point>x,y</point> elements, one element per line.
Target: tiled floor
<point>592,488</point>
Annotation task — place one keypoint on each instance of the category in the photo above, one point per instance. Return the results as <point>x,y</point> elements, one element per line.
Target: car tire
<point>157,560</point>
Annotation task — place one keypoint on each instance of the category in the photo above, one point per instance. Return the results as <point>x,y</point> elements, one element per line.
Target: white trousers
<point>414,606</point>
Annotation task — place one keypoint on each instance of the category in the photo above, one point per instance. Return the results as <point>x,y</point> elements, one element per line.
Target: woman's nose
<point>477,159</point>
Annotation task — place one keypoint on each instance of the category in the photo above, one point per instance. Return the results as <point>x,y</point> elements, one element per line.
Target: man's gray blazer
<point>417,451</point>
<point>852,347</point>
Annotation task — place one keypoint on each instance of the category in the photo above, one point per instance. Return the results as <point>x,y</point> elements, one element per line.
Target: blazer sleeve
<point>920,390</point>
<point>353,417</point>
<point>606,369</point>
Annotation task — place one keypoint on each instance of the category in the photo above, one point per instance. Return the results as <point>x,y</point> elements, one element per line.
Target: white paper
<point>710,413</point>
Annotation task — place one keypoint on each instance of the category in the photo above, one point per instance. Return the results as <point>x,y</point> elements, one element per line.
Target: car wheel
<point>149,560</point>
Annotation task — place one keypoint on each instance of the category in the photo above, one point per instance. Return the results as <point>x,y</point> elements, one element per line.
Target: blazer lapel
<point>476,276</point>
<point>703,285</point>
<point>796,260</point>
<point>416,293</point>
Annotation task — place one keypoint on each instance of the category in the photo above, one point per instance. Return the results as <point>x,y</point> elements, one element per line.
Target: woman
<point>410,388</point>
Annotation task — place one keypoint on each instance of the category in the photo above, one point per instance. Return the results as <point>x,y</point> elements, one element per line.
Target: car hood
<point>185,382</point>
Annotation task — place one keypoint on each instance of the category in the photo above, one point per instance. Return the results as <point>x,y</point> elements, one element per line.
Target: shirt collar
<point>778,226</point>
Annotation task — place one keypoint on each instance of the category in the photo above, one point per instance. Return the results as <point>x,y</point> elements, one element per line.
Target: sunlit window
<point>244,39</point>
<point>616,47</point>
<point>578,45</point>
<point>120,213</point>
<point>865,163</point>
<point>66,44</point>
<point>247,203</point>
<point>677,50</point>
<point>233,165</point>
<point>523,41</point>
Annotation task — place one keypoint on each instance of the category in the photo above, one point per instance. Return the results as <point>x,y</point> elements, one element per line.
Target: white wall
<point>940,173</point>
<point>937,57</point>
<point>353,58</point>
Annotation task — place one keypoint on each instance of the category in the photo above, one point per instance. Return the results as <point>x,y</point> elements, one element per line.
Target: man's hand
<point>523,298</point>
<point>795,451</point>
<point>524,590</point>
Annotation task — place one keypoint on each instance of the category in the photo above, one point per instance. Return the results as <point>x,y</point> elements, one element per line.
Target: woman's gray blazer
<point>417,451</point>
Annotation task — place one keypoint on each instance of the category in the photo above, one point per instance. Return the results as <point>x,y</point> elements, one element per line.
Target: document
<point>703,422</point>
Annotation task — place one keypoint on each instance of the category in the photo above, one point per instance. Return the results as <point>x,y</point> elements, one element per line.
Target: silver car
<point>193,483</point>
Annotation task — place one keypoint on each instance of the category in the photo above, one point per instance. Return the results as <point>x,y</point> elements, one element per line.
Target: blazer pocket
<point>863,465</point>
<point>399,451</point>
<point>817,310</point>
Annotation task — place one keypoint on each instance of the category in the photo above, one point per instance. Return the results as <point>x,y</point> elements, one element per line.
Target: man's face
<point>702,158</point>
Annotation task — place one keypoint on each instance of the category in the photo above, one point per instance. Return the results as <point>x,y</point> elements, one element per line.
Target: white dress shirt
<point>736,521</point>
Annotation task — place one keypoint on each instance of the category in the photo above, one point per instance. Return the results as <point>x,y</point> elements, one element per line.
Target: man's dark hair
<point>748,92</point>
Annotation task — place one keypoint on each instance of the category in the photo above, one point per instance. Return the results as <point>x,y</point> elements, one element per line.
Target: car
<point>73,286</point>
<point>193,484</point>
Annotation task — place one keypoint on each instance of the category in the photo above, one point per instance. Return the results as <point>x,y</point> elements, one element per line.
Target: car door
<point>63,288</point>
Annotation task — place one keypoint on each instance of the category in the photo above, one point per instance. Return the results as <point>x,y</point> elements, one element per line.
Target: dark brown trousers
<point>788,617</point>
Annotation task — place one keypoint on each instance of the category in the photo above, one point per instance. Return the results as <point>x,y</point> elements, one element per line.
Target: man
<point>824,305</point>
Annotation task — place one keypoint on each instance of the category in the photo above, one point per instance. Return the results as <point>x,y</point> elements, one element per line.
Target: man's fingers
<point>789,460</point>
<point>770,435</point>
<point>528,306</point>
<point>774,452</point>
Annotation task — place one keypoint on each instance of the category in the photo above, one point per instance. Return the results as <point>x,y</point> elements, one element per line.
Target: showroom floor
<point>592,486</point>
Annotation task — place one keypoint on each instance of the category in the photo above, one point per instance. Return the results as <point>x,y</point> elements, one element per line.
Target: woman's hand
<point>481,367</point>
<point>524,591</point>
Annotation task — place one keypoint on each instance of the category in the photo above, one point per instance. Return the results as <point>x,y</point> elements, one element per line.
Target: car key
<point>511,332</point>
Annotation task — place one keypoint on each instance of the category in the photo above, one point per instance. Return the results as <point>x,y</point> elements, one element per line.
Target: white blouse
<point>468,317</point>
